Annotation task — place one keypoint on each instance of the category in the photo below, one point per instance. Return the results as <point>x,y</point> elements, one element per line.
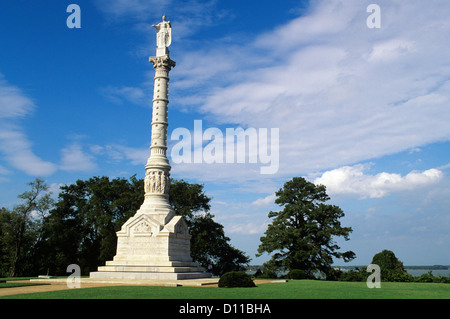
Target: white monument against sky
<point>155,243</point>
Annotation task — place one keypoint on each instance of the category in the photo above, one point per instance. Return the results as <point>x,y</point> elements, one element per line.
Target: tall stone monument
<point>155,243</point>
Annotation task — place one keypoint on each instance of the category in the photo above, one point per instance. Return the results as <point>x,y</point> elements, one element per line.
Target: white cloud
<point>13,103</point>
<point>415,150</point>
<point>141,9</point>
<point>14,143</point>
<point>4,171</point>
<point>117,152</point>
<point>135,95</point>
<point>17,151</point>
<point>137,156</point>
<point>339,92</point>
<point>249,228</point>
<point>55,188</point>
<point>390,50</point>
<point>73,158</point>
<point>268,200</point>
<point>354,180</point>
<point>190,15</point>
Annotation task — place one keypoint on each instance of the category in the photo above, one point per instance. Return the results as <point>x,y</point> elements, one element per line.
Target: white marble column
<point>154,243</point>
<point>157,176</point>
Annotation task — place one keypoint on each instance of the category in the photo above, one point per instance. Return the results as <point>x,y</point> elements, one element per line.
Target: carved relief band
<point>157,182</point>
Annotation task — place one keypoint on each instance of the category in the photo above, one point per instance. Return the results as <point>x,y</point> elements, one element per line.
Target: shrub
<point>391,268</point>
<point>353,275</point>
<point>297,274</point>
<point>333,274</point>
<point>398,277</point>
<point>236,279</point>
<point>268,275</point>
<point>269,270</point>
<point>265,275</point>
<point>429,277</point>
<point>258,273</point>
<point>443,280</point>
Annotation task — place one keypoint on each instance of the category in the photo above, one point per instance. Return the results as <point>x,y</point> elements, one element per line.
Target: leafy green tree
<point>82,227</point>
<point>297,274</point>
<point>390,266</point>
<point>21,229</point>
<point>7,222</point>
<point>270,269</point>
<point>188,199</point>
<point>209,245</point>
<point>301,236</point>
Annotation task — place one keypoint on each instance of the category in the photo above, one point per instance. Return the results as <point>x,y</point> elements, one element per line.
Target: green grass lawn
<point>293,289</point>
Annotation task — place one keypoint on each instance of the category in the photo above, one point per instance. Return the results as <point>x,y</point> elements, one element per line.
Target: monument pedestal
<point>148,249</point>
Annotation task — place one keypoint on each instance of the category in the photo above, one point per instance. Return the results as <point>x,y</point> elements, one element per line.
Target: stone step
<point>158,258</point>
<point>150,269</point>
<point>148,275</point>
<point>151,263</point>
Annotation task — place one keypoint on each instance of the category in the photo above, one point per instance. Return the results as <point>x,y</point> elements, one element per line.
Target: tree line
<point>391,269</point>
<point>43,236</point>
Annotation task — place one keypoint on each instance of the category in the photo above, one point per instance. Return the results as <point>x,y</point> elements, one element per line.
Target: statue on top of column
<point>163,36</point>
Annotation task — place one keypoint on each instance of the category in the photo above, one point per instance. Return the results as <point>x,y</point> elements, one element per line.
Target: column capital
<point>162,62</point>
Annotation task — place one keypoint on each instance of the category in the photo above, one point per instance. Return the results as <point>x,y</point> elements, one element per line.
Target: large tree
<point>301,236</point>
<point>209,245</point>
<point>82,227</point>
<point>21,230</point>
<point>391,267</point>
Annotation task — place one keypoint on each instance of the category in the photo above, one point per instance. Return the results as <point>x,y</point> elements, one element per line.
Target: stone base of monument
<point>162,274</point>
<point>151,269</point>
<point>152,247</point>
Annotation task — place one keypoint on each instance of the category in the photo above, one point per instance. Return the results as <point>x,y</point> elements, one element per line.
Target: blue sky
<point>364,111</point>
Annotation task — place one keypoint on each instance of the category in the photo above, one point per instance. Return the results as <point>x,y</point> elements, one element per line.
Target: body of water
<point>416,272</point>
<point>412,272</point>
<point>434,272</point>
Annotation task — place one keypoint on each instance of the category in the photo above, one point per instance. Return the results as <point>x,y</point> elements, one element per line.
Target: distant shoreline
<point>415,271</point>
<point>421,267</point>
